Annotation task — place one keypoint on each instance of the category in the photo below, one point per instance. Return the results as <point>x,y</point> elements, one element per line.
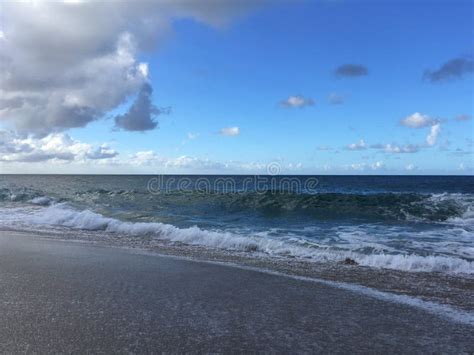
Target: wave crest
<point>63,215</point>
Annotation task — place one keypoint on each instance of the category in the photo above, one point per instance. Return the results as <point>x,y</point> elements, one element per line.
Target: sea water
<point>411,223</point>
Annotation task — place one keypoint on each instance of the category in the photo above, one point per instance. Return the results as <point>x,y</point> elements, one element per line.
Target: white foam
<point>42,201</point>
<point>65,216</point>
<point>417,263</point>
<point>464,200</point>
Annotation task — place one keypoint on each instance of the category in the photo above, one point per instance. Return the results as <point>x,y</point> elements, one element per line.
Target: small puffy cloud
<point>141,116</point>
<point>102,152</point>
<point>297,101</point>
<point>357,146</point>
<point>192,136</point>
<point>411,167</point>
<point>351,71</point>
<point>377,165</point>
<point>433,134</point>
<point>229,131</point>
<point>394,148</point>
<point>145,158</point>
<point>358,166</point>
<point>335,99</point>
<point>453,69</point>
<point>463,117</point>
<point>464,167</point>
<point>417,120</point>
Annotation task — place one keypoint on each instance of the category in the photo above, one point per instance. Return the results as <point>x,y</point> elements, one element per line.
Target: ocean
<point>408,223</point>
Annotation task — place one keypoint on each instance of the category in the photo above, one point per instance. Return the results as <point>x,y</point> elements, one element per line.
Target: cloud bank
<point>53,147</point>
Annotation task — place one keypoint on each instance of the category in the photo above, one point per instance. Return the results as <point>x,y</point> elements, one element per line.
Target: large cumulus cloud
<point>64,64</point>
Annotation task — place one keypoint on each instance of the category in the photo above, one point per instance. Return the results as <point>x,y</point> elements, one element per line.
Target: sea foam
<point>65,216</point>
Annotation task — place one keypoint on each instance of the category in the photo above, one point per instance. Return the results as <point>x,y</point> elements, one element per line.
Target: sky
<point>237,87</point>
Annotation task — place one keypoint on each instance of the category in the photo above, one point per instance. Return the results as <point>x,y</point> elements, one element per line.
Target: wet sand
<point>58,296</point>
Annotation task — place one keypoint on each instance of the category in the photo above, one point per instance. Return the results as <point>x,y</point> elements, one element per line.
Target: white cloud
<point>102,152</point>
<point>465,168</point>
<point>192,136</point>
<point>143,69</point>
<point>18,153</point>
<point>64,65</point>
<point>411,167</point>
<point>53,147</point>
<point>358,166</point>
<point>185,163</point>
<point>297,101</point>
<point>193,163</point>
<point>357,146</point>
<point>433,135</point>
<point>229,131</point>
<point>417,120</point>
<point>462,166</point>
<point>394,148</point>
<point>378,165</point>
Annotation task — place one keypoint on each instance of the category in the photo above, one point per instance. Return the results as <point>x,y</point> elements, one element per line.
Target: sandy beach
<point>236,177</point>
<point>72,297</point>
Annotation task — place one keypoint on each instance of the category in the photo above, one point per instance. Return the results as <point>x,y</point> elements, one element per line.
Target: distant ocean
<point>411,223</point>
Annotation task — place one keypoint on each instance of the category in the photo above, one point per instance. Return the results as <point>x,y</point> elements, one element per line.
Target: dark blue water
<point>405,222</point>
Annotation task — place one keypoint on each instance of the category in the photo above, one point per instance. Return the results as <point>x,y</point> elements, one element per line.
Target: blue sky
<point>239,75</point>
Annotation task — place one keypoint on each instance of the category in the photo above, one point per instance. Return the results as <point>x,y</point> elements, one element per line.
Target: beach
<point>65,296</point>
<point>222,176</point>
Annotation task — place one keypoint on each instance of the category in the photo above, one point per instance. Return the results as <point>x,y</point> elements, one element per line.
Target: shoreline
<point>77,297</point>
<point>440,288</point>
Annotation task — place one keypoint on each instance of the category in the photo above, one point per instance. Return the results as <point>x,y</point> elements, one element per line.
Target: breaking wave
<point>65,216</point>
